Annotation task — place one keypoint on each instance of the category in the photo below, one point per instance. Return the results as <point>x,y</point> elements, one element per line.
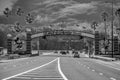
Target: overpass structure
<point>62,32</point>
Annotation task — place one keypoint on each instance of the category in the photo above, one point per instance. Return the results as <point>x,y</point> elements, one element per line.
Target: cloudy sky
<point>46,12</point>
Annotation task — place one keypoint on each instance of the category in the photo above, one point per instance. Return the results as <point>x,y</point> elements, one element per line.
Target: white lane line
<point>108,66</point>
<point>112,78</point>
<point>93,70</point>
<point>5,67</point>
<point>88,67</point>
<point>22,77</point>
<point>30,70</point>
<point>14,65</point>
<point>48,78</point>
<point>60,71</point>
<point>100,73</point>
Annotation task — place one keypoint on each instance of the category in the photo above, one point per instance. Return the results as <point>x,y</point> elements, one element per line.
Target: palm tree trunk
<point>105,34</point>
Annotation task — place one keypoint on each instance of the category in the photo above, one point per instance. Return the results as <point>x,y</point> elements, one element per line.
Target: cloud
<point>108,4</point>
<point>6,3</point>
<point>42,19</point>
<point>79,8</point>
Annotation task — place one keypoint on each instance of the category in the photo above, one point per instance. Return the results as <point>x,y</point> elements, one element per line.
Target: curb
<point>104,58</point>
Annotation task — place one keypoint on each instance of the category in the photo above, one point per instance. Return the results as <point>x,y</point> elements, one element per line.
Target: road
<point>57,67</point>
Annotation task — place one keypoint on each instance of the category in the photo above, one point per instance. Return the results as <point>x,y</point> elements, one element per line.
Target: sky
<point>46,12</point>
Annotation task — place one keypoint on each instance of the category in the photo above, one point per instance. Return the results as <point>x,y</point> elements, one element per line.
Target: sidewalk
<point>10,60</point>
<point>104,58</point>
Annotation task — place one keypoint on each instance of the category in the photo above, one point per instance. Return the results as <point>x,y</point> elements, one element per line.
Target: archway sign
<point>21,43</point>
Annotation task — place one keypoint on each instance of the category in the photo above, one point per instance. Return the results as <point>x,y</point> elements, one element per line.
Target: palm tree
<point>104,17</point>
<point>117,13</point>
<point>6,12</point>
<point>94,25</point>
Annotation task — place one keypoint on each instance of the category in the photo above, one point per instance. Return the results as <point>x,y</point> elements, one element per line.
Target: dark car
<point>63,52</point>
<point>56,52</point>
<point>67,52</point>
<point>76,55</point>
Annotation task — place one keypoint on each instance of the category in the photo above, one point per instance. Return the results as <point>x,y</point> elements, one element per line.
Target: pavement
<point>104,58</point>
<point>59,67</point>
<point>11,60</point>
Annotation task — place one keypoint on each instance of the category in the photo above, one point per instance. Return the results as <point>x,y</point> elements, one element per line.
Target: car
<point>56,52</point>
<point>67,52</point>
<point>63,52</point>
<point>76,55</point>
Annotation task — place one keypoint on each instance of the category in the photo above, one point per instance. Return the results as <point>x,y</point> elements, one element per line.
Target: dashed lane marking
<point>88,67</point>
<point>23,77</point>
<point>14,65</point>
<point>93,70</point>
<point>60,71</point>
<point>38,78</point>
<point>29,70</point>
<point>100,73</point>
<point>112,78</point>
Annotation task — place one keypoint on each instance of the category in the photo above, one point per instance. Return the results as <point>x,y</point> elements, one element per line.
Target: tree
<point>117,13</point>
<point>94,25</point>
<point>3,39</point>
<point>104,17</point>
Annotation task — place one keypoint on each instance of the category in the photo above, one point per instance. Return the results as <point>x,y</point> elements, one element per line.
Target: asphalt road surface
<point>54,67</point>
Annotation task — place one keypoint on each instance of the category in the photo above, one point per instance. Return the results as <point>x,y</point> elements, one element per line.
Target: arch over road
<point>63,32</point>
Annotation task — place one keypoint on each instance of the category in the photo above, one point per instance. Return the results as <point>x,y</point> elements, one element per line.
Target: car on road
<point>56,52</point>
<point>76,55</point>
<point>63,52</point>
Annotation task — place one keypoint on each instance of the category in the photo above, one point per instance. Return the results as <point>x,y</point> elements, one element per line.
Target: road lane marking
<point>100,73</point>
<point>112,78</point>
<point>5,67</point>
<point>49,78</point>
<point>60,71</point>
<point>88,67</point>
<point>14,65</point>
<point>23,77</point>
<point>93,70</point>
<point>30,70</point>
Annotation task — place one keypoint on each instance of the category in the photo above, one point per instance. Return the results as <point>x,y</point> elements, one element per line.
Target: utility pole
<point>112,31</point>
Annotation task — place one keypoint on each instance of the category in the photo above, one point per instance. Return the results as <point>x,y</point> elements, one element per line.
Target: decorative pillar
<point>9,44</point>
<point>28,41</point>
